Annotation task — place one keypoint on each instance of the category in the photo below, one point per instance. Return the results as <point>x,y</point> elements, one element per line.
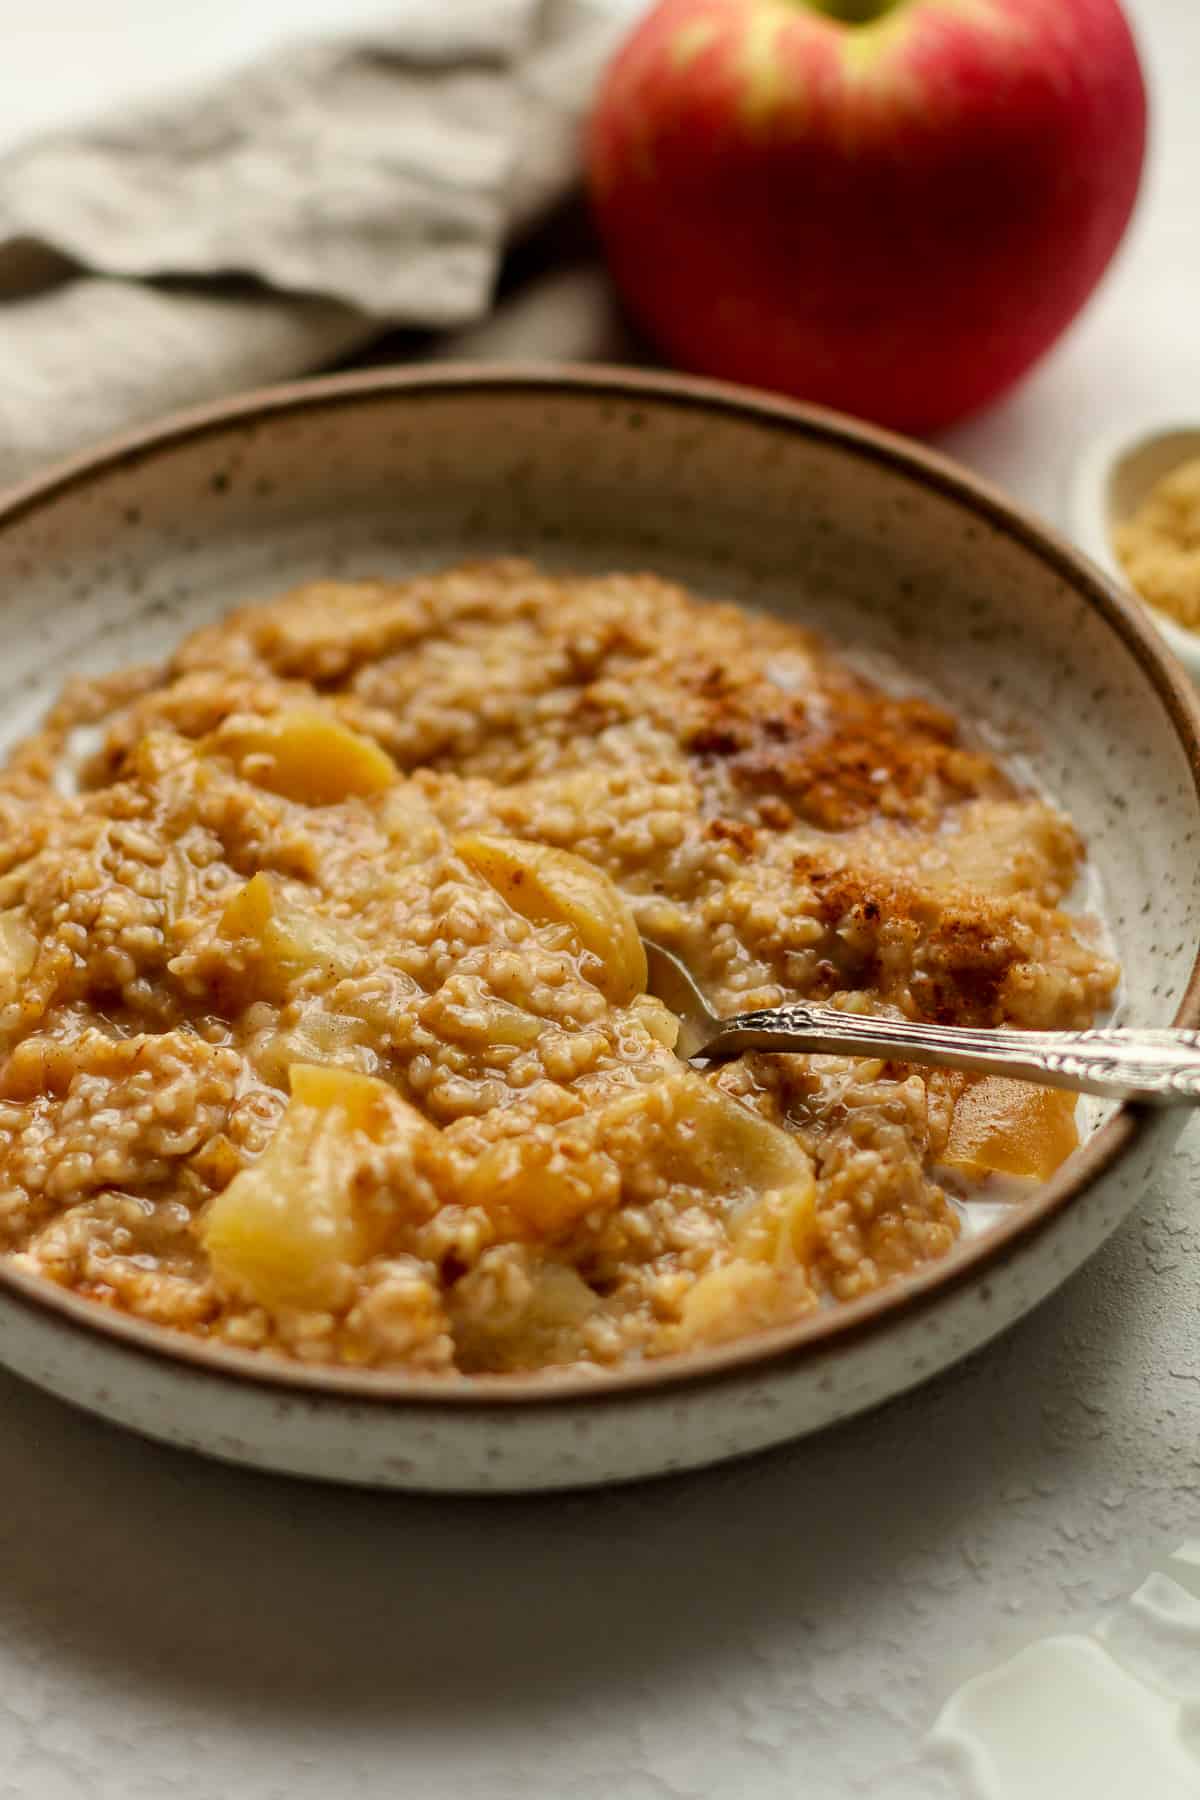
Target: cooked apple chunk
<point>1003,1127</point>
<point>304,754</point>
<point>549,886</point>
<point>287,1230</point>
<point>288,941</point>
<point>18,951</point>
<point>781,1227</point>
<point>541,1183</point>
<point>736,1298</point>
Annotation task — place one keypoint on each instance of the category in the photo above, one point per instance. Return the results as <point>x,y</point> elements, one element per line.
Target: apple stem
<point>853,12</point>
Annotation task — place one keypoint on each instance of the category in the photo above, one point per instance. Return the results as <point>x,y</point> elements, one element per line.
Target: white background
<point>784,1628</point>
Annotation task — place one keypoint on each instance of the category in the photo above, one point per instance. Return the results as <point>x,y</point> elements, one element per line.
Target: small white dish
<point>1111,480</point>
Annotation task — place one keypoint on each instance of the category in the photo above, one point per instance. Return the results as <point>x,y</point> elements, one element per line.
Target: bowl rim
<point>780,1349</point>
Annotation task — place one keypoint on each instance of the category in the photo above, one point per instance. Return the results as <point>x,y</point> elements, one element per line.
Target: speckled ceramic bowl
<point>884,546</point>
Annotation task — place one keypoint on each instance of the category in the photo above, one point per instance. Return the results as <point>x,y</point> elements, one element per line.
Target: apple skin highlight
<point>894,217</point>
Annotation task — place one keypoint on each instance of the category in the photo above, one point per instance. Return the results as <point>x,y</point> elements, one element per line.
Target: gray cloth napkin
<point>243,235</point>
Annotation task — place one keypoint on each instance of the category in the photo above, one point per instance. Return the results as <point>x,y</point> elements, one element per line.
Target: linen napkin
<point>291,215</point>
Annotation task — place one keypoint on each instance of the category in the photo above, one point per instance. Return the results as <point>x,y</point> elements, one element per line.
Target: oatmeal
<point>323,1000</point>
<point>1159,547</point>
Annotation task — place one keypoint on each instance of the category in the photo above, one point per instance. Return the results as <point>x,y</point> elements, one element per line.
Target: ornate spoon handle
<point>1161,1068</point>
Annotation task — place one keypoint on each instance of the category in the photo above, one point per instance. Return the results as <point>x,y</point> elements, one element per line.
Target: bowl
<point>885,546</point>
<point>1111,480</point>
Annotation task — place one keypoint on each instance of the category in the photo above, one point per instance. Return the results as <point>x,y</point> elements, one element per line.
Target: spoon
<point>1160,1068</point>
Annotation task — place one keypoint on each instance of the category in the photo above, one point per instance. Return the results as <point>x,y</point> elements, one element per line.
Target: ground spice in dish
<point>1159,547</point>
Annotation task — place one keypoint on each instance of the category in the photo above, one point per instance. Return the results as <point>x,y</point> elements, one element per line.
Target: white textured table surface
<point>788,1627</point>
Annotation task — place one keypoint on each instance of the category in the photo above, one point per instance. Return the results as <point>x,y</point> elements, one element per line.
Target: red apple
<point>889,206</point>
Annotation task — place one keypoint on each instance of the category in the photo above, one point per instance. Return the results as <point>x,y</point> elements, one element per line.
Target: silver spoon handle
<point>1161,1068</point>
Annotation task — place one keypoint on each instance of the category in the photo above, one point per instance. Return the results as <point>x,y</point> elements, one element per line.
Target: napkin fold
<point>285,218</point>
